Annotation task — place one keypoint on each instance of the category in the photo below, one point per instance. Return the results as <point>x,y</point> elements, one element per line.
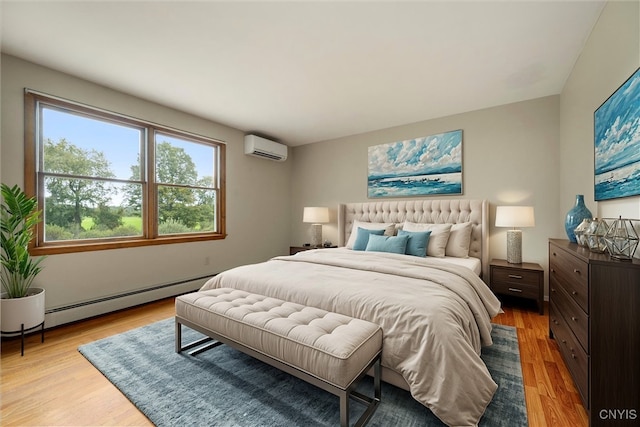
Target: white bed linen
<point>435,316</point>
<point>473,264</point>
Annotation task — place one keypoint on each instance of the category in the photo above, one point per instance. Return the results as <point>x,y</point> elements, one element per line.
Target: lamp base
<point>316,235</point>
<point>514,246</point>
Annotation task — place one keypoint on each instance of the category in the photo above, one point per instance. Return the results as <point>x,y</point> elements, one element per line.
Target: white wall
<point>610,56</point>
<point>510,156</point>
<point>258,195</point>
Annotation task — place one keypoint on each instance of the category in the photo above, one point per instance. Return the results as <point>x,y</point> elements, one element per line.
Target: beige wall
<point>610,56</point>
<point>510,156</point>
<point>537,152</point>
<point>258,194</point>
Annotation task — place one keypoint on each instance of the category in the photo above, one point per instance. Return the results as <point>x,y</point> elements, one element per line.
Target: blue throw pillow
<point>395,244</point>
<point>362,238</point>
<point>418,242</point>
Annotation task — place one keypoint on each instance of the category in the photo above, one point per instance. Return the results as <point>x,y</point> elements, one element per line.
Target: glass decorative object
<point>621,239</point>
<point>580,230</point>
<point>575,217</point>
<point>595,235</point>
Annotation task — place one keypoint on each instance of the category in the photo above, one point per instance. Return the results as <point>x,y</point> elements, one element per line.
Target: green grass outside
<point>132,221</point>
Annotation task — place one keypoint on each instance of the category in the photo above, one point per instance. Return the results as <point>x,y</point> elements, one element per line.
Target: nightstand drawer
<point>524,280</point>
<point>517,282</point>
<point>295,249</point>
<point>521,289</point>
<point>514,276</point>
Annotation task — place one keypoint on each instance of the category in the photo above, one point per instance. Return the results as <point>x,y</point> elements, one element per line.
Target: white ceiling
<point>302,72</point>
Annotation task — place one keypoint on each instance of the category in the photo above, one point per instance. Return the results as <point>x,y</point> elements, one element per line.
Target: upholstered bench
<point>326,349</point>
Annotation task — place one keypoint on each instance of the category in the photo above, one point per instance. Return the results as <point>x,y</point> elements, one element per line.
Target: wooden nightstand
<point>295,249</point>
<point>524,280</point>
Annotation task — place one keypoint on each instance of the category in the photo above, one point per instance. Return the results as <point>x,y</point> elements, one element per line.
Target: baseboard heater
<point>86,309</point>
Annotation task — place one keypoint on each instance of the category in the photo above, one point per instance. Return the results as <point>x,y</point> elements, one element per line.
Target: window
<point>106,181</point>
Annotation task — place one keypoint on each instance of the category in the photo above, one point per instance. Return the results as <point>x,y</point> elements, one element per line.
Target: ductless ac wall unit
<point>261,147</point>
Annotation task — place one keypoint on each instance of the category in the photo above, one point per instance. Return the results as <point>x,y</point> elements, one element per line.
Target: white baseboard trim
<point>87,309</point>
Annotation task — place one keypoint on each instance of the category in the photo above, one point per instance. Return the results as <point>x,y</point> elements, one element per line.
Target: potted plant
<point>22,306</point>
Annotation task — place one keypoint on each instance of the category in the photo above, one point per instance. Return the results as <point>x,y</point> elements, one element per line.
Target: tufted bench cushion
<point>331,347</point>
<point>327,345</point>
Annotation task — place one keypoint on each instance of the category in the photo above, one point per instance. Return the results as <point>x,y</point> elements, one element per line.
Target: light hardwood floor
<point>53,384</point>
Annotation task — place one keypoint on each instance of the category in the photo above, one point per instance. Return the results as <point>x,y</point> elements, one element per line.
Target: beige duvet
<point>435,316</point>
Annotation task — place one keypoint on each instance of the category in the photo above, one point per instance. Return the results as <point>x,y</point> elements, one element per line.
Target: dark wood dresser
<point>594,315</point>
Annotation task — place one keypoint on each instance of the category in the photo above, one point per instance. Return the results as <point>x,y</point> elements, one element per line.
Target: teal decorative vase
<point>575,216</point>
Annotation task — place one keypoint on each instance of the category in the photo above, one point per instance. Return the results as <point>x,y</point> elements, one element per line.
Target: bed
<point>435,311</point>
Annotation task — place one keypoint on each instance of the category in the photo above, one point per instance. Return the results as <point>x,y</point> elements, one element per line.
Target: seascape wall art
<point>422,166</point>
<point>617,143</point>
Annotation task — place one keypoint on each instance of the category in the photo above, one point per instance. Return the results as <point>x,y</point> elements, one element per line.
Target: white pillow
<point>389,230</point>
<point>438,239</point>
<point>459,240</point>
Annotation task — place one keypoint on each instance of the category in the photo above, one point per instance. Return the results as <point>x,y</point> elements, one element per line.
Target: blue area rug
<point>224,387</point>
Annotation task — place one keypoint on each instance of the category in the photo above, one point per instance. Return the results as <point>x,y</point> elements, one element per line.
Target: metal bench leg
<point>210,343</point>
<point>371,403</point>
<point>344,409</point>
<point>178,336</point>
<point>377,375</point>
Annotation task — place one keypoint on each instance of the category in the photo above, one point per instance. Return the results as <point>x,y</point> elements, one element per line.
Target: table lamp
<point>515,217</point>
<point>316,216</point>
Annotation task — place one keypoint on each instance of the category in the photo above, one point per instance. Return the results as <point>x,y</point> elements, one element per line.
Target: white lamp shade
<point>316,215</point>
<point>515,216</point>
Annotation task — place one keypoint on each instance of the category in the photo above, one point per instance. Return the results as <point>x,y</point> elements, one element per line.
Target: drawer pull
<point>515,276</point>
<point>575,270</point>
<point>574,318</point>
<point>573,356</point>
<point>515,290</point>
<point>574,293</point>
<point>564,342</point>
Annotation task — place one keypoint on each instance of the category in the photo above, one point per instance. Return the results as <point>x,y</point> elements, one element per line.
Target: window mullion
<point>150,205</point>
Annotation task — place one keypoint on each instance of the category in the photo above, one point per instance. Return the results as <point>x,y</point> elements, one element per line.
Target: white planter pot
<point>27,311</point>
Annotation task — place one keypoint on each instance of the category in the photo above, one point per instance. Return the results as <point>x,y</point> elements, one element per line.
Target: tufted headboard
<point>450,211</point>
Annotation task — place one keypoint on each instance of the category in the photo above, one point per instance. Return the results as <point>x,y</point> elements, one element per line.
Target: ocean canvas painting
<point>617,142</point>
<point>417,167</point>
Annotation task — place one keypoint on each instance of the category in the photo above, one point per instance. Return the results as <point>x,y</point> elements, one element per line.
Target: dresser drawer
<point>574,316</point>
<point>574,356</point>
<point>572,274</point>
